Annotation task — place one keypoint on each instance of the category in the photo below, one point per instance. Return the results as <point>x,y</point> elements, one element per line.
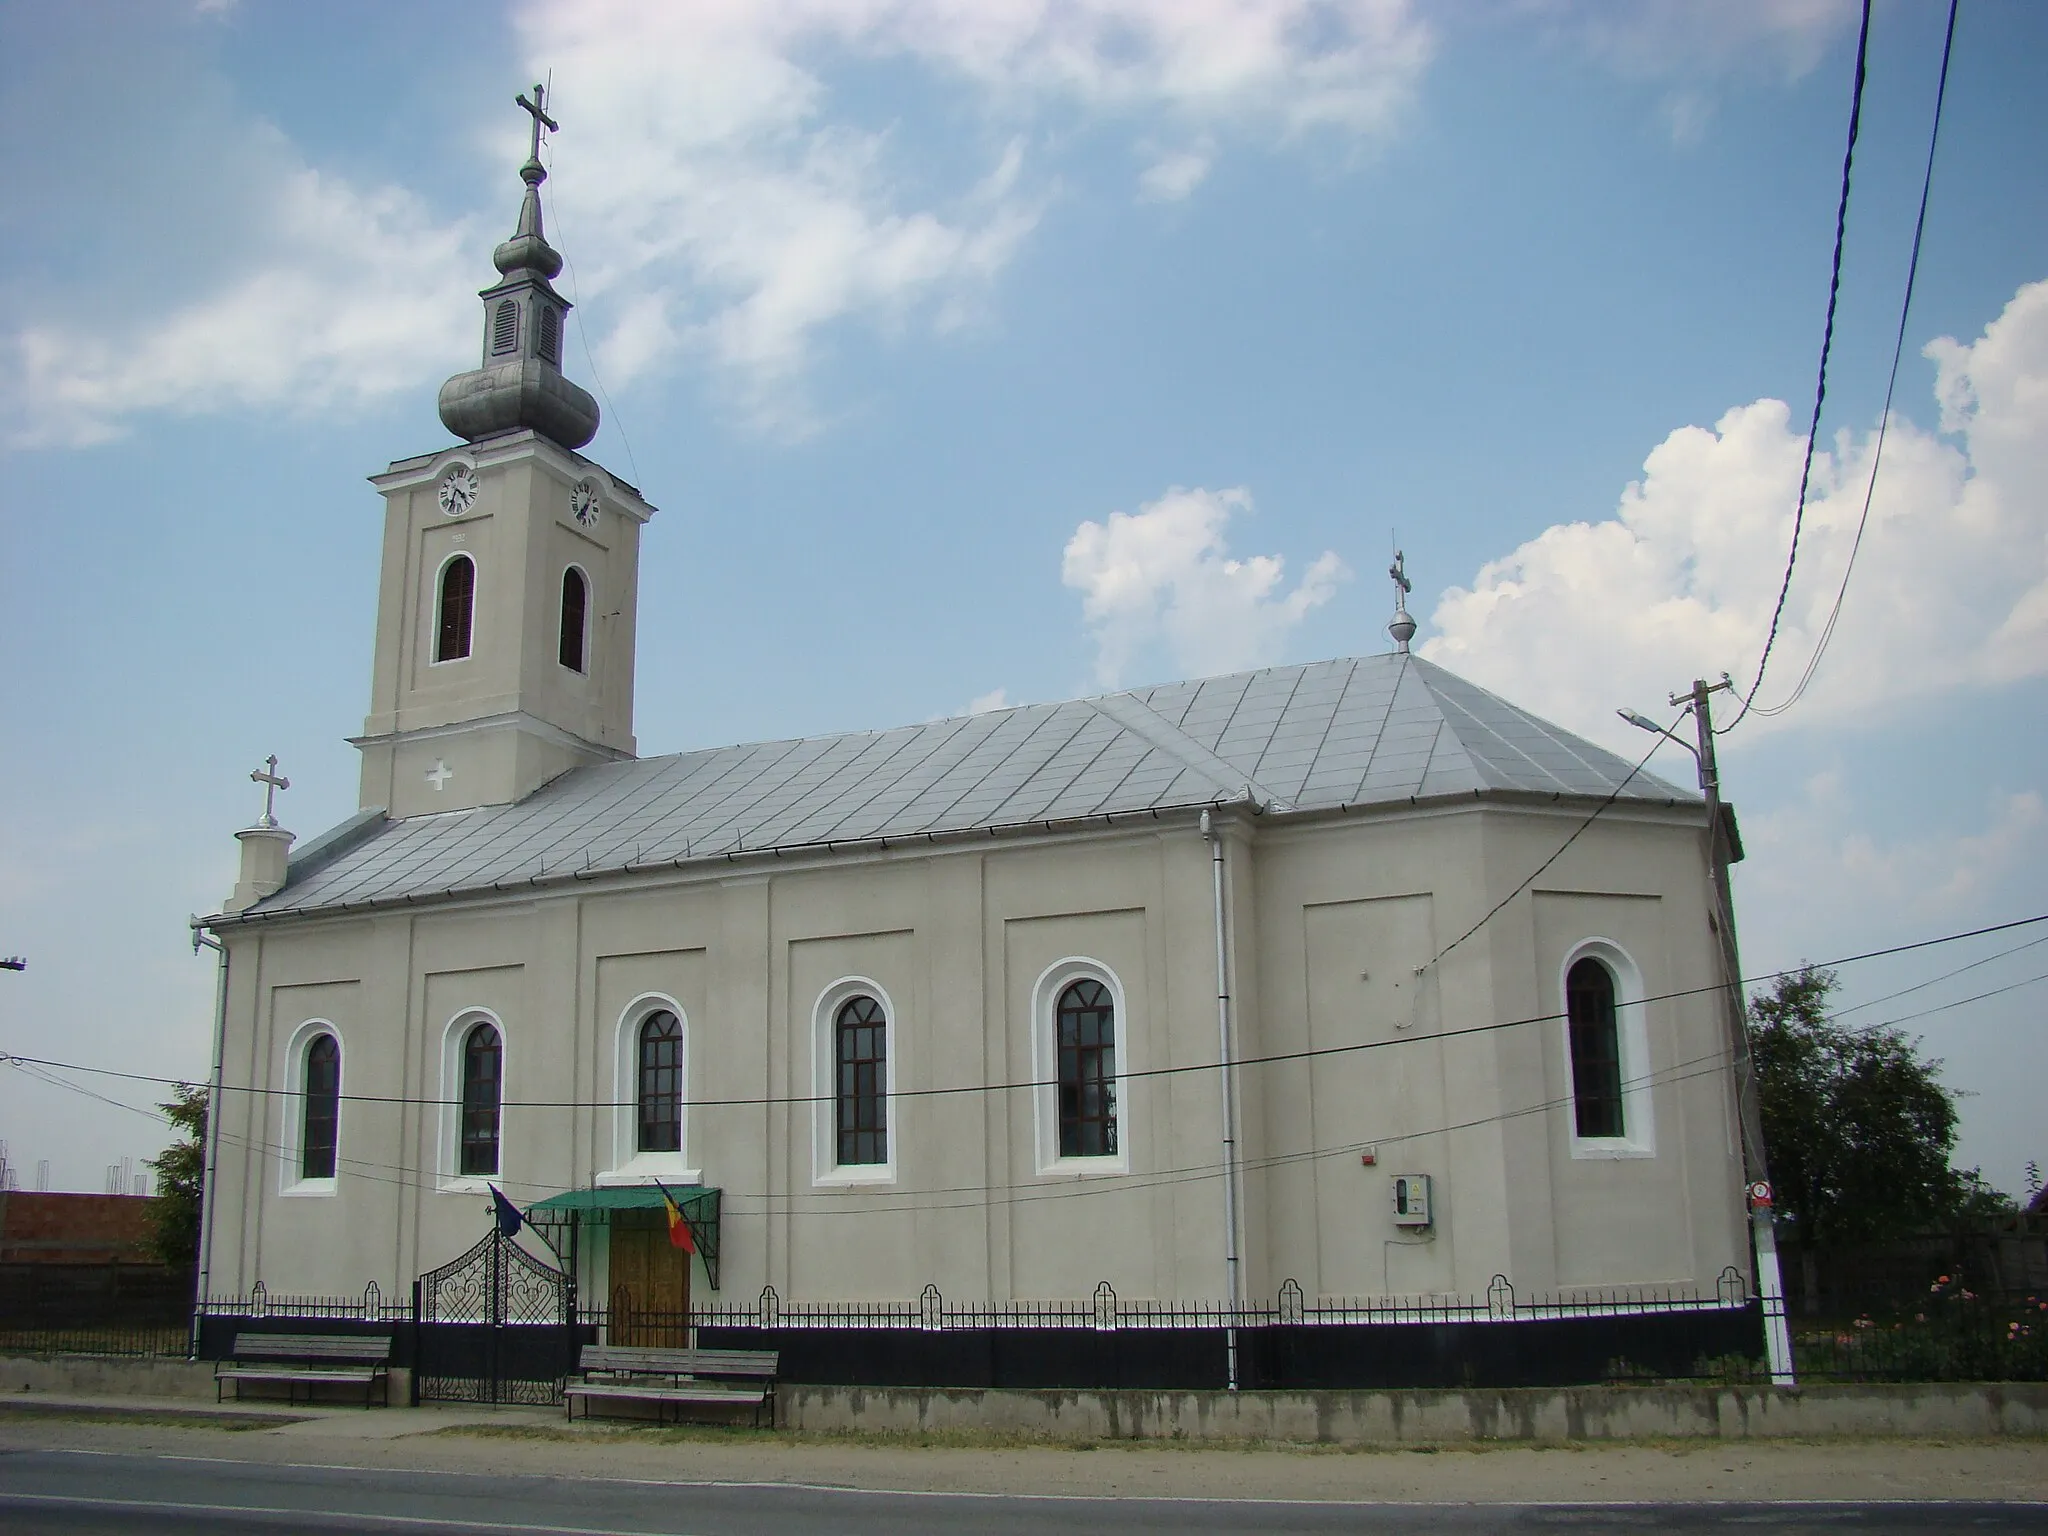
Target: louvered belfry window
<point>322,1109</point>
<point>1596,1049</point>
<point>458,607</point>
<point>504,328</point>
<point>1085,1036</point>
<point>661,1085</point>
<point>575,605</point>
<point>862,1039</point>
<point>483,1060</point>
<point>550,334</point>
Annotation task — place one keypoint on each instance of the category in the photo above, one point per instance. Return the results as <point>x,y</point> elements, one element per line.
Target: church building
<point>1195,989</point>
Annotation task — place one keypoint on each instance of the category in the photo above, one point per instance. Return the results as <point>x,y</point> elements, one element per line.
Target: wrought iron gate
<point>494,1326</point>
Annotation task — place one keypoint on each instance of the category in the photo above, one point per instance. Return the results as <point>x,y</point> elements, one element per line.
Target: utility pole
<point>1722,850</point>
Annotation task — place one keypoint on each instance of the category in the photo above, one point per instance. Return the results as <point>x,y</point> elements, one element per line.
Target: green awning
<point>699,1204</point>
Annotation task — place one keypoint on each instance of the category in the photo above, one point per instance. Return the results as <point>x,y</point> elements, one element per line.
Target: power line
<point>1277,1058</point>
<point>411,1176</point>
<point>1820,388</point>
<point>1827,631</point>
<point>1537,873</point>
<point>1842,1013</point>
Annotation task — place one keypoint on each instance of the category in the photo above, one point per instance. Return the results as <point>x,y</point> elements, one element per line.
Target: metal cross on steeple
<point>1399,571</point>
<point>268,777</point>
<point>538,108</point>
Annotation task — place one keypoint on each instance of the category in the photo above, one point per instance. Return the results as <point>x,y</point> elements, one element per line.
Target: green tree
<point>1857,1124</point>
<point>181,1178</point>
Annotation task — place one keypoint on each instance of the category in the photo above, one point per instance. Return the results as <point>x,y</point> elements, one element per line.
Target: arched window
<point>483,1059</point>
<point>322,1109</point>
<point>504,328</point>
<point>1596,1048</point>
<point>550,334</point>
<point>861,1050</point>
<point>1084,1037</point>
<point>575,604</point>
<point>458,604</point>
<point>660,1096</point>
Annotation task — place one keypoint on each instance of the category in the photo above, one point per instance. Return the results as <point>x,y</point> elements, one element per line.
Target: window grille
<point>661,1084</point>
<point>458,606</point>
<point>1596,1048</point>
<point>550,334</point>
<point>575,603</point>
<point>322,1109</point>
<point>861,1033</point>
<point>483,1060</point>
<point>505,328</point>
<point>1085,1033</point>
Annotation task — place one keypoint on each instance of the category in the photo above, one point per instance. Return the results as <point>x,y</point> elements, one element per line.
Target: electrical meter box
<point>1411,1200</point>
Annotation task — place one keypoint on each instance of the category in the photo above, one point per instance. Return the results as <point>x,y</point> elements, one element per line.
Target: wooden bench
<point>308,1359</point>
<point>720,1378</point>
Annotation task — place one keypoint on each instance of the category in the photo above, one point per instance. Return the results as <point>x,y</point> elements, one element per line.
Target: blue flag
<point>509,1219</point>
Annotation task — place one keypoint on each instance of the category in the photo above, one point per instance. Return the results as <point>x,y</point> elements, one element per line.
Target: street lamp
<point>1723,848</point>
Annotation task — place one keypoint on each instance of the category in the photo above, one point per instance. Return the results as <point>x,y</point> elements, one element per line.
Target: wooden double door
<point>650,1286</point>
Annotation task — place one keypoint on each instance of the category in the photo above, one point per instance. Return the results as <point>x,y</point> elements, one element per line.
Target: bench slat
<point>645,1393</point>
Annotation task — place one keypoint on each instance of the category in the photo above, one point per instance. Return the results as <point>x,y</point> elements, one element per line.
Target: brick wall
<point>75,1229</point>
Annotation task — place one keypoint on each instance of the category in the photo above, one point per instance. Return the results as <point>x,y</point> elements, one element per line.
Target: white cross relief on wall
<point>439,775</point>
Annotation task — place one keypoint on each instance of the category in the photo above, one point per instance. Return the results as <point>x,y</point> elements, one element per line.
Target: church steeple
<point>520,384</point>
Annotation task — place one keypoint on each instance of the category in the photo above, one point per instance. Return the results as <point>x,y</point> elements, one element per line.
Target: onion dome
<point>520,385</point>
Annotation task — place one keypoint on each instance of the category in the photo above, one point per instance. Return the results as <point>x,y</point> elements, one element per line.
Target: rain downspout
<point>1234,1284</point>
<point>212,1160</point>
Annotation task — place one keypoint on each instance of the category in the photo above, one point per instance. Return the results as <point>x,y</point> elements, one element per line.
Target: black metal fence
<point>1292,1342</point>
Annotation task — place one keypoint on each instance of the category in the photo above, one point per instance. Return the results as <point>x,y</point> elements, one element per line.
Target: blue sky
<point>1008,350</point>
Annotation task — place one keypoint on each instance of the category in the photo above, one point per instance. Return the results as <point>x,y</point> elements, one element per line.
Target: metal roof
<point>1369,731</point>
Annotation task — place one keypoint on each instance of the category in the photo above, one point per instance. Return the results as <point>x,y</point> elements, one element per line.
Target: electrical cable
<point>1537,873</point>
<point>1277,1058</point>
<point>1827,630</point>
<point>1820,389</point>
<point>1841,1013</point>
<point>743,1203</point>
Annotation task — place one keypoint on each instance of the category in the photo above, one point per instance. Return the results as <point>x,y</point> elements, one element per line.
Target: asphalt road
<point>83,1493</point>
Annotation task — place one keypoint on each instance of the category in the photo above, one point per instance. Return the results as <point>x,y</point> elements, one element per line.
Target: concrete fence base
<point>1535,1415</point>
<point>1531,1415</point>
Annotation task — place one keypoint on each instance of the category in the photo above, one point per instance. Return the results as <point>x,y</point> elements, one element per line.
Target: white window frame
<point>1045,996</point>
<point>1632,1036</point>
<point>291,1139</point>
<point>629,1164</point>
<point>826,1169</point>
<point>476,576</point>
<point>589,620</point>
<point>453,1036</point>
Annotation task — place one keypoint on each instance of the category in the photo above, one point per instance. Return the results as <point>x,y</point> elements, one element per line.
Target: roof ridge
<point>1143,721</point>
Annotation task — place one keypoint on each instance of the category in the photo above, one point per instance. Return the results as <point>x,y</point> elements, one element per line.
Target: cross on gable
<point>268,777</point>
<point>538,109</point>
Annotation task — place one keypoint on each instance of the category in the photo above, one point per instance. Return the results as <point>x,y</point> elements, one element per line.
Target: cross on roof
<point>268,777</point>
<point>538,108</point>
<point>1399,571</point>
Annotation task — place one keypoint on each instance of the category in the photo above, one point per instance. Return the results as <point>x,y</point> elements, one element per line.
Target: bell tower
<point>509,589</point>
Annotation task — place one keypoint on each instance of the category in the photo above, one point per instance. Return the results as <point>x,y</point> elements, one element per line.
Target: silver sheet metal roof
<point>1370,731</point>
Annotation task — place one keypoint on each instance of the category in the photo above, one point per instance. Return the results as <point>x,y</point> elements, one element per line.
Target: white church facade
<point>1164,988</point>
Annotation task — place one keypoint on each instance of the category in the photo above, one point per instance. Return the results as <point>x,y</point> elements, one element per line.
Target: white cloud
<point>299,328</point>
<point>985,703</point>
<point>1659,39</point>
<point>1162,576</point>
<point>719,206</point>
<point>723,205</point>
<point>1950,588</point>
<point>1174,175</point>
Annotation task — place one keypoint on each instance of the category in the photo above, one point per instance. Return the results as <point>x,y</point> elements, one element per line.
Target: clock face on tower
<point>583,504</point>
<point>458,490</point>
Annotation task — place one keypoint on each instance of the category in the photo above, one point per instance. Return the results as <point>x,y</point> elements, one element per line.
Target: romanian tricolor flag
<point>678,1223</point>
